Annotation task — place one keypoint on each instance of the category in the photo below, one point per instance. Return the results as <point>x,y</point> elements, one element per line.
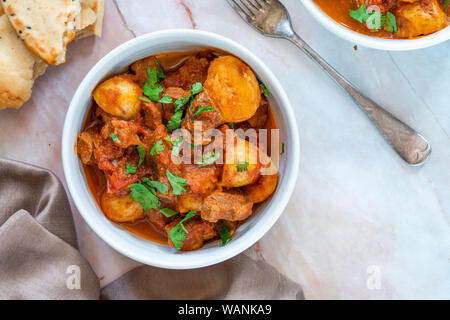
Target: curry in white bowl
<point>131,155</point>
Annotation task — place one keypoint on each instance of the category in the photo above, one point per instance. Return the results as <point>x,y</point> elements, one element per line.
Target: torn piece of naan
<point>46,27</point>
<point>18,67</point>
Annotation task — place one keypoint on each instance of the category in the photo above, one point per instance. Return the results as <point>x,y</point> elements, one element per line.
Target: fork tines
<point>248,9</point>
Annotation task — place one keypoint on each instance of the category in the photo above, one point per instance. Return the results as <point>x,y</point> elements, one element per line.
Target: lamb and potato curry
<point>397,19</point>
<point>127,148</point>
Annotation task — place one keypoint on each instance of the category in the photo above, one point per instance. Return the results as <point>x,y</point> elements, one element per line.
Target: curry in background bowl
<point>393,19</point>
<point>127,147</point>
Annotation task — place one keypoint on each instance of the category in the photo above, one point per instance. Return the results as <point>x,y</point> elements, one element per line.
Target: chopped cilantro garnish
<point>391,24</point>
<point>144,99</point>
<point>179,103</point>
<point>375,20</point>
<point>176,147</point>
<point>114,137</point>
<point>157,148</point>
<point>175,122</point>
<point>264,89</point>
<point>131,169</point>
<point>203,109</point>
<point>176,182</point>
<point>208,159</point>
<point>144,196</point>
<point>282,148</point>
<point>165,99</point>
<point>161,71</point>
<point>141,152</point>
<point>169,139</point>
<point>196,88</point>
<point>152,89</point>
<point>168,212</point>
<point>446,6</point>
<point>179,233</point>
<point>243,166</point>
<point>161,187</point>
<point>359,14</point>
<point>225,235</point>
<point>231,124</point>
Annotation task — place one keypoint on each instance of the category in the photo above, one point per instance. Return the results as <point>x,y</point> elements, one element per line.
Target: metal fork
<point>271,18</point>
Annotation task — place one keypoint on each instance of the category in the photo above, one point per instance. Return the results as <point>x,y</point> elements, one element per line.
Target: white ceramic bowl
<point>374,42</point>
<point>152,253</point>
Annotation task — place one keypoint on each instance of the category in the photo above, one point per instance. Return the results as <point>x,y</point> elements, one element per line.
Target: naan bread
<point>46,26</point>
<point>18,67</point>
<point>90,20</point>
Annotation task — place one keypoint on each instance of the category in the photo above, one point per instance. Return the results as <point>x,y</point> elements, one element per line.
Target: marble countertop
<point>361,223</point>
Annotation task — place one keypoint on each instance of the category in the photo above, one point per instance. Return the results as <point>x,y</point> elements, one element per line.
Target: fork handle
<point>409,144</point>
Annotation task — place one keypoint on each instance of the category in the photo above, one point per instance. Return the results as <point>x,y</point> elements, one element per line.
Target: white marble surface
<point>356,203</point>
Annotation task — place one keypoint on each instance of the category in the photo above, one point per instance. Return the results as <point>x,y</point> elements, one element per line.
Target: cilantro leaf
<point>151,89</point>
<point>179,233</point>
<point>114,137</point>
<point>161,74</point>
<point>360,14</point>
<point>177,147</point>
<point>282,148</point>
<point>203,109</point>
<point>208,159</point>
<point>169,139</point>
<point>231,124</point>
<point>196,88</point>
<point>225,235</point>
<point>264,89</point>
<point>131,169</point>
<point>161,187</point>
<point>144,196</point>
<point>391,22</point>
<point>176,182</point>
<point>165,99</point>
<point>175,121</point>
<point>144,99</point>
<point>242,166</point>
<point>446,6</point>
<point>168,212</point>
<point>157,148</point>
<point>179,103</point>
<point>141,152</point>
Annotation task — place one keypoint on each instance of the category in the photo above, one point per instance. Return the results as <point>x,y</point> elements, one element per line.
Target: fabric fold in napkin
<point>39,258</point>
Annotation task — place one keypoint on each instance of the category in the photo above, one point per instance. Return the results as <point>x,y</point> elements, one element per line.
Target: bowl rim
<point>71,163</point>
<point>374,42</point>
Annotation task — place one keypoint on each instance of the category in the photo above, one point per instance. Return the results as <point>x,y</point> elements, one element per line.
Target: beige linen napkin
<point>39,257</point>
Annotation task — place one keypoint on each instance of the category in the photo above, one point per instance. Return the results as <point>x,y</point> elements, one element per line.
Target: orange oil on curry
<point>96,180</point>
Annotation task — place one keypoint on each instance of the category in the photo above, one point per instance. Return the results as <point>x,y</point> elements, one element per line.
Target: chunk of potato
<point>416,19</point>
<point>233,87</point>
<point>266,183</point>
<point>241,164</point>
<point>262,188</point>
<point>119,96</point>
<point>121,209</point>
<point>189,201</point>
